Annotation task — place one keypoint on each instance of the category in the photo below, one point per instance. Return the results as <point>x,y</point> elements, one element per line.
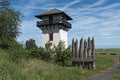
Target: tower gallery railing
<point>56,21</point>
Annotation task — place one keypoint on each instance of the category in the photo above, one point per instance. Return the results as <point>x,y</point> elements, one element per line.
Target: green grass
<point>108,53</point>
<point>117,75</point>
<point>107,50</point>
<point>34,69</point>
<point>8,69</point>
<point>104,52</point>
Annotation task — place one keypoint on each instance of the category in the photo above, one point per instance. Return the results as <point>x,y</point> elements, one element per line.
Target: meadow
<point>117,75</point>
<point>36,69</point>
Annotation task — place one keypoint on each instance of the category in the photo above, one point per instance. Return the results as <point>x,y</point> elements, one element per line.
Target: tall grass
<point>8,69</point>
<point>36,69</point>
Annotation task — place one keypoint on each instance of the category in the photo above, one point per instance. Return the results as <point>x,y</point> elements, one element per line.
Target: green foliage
<point>30,44</point>
<point>16,51</point>
<point>9,30</point>
<point>5,43</point>
<point>63,54</point>
<point>9,23</point>
<point>41,53</point>
<point>57,54</point>
<point>49,51</point>
<point>37,53</point>
<point>48,46</point>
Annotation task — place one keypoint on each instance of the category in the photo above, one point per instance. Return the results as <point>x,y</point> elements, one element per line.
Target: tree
<point>30,44</point>
<point>9,23</point>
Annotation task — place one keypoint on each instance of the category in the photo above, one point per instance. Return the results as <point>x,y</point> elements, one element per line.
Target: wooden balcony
<point>57,21</point>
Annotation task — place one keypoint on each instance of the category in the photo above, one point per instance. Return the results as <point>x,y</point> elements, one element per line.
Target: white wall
<point>45,38</point>
<point>58,34</point>
<point>63,36</point>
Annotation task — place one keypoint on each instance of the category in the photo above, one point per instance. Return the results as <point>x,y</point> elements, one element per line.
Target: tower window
<point>51,37</point>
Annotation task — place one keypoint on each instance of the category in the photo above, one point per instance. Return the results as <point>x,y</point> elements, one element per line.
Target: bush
<point>36,52</point>
<point>57,54</point>
<point>103,53</point>
<point>49,51</point>
<point>30,44</point>
<point>62,55</point>
<point>113,54</point>
<point>40,53</point>
<point>16,51</point>
<point>5,43</point>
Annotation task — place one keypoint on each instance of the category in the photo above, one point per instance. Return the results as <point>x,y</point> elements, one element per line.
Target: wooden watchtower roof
<point>53,12</point>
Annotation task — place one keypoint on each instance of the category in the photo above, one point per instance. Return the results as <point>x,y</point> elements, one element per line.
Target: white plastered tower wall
<point>63,36</point>
<point>54,22</point>
<point>58,35</point>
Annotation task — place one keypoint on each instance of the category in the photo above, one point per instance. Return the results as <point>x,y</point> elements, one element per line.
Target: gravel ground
<point>107,75</point>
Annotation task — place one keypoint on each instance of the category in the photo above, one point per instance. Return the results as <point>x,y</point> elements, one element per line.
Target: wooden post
<point>73,48</point>
<point>89,47</point>
<point>85,48</point>
<point>81,48</point>
<point>76,48</point>
<point>86,55</point>
<point>73,51</point>
<point>93,52</point>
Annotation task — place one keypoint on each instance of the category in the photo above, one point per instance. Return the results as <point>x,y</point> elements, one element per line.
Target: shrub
<point>6,44</point>
<point>103,53</point>
<point>49,51</point>
<point>30,44</point>
<point>40,53</point>
<point>36,53</point>
<point>62,55</point>
<point>16,51</point>
<point>113,54</point>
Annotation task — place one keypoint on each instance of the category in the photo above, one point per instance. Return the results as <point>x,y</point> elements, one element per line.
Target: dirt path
<point>107,75</point>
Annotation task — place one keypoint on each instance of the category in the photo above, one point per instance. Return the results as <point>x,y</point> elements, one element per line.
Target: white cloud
<point>98,20</point>
<point>112,6</point>
<point>98,3</point>
<point>70,4</point>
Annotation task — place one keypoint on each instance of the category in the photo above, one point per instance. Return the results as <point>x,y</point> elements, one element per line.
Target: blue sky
<point>91,18</point>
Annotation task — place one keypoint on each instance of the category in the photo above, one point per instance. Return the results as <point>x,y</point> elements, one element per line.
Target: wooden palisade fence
<point>84,55</point>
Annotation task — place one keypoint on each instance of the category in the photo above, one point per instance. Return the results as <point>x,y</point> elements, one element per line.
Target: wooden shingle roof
<point>53,12</point>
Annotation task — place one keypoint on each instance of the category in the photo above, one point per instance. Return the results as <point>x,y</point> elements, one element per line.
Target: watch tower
<point>54,26</point>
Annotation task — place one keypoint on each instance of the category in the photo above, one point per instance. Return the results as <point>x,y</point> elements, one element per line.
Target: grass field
<point>113,54</point>
<point>107,51</point>
<point>34,69</point>
<point>117,75</point>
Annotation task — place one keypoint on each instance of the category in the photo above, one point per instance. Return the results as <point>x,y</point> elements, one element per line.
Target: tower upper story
<point>54,17</point>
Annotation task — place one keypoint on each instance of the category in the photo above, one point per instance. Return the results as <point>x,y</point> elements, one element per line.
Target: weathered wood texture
<point>84,55</point>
